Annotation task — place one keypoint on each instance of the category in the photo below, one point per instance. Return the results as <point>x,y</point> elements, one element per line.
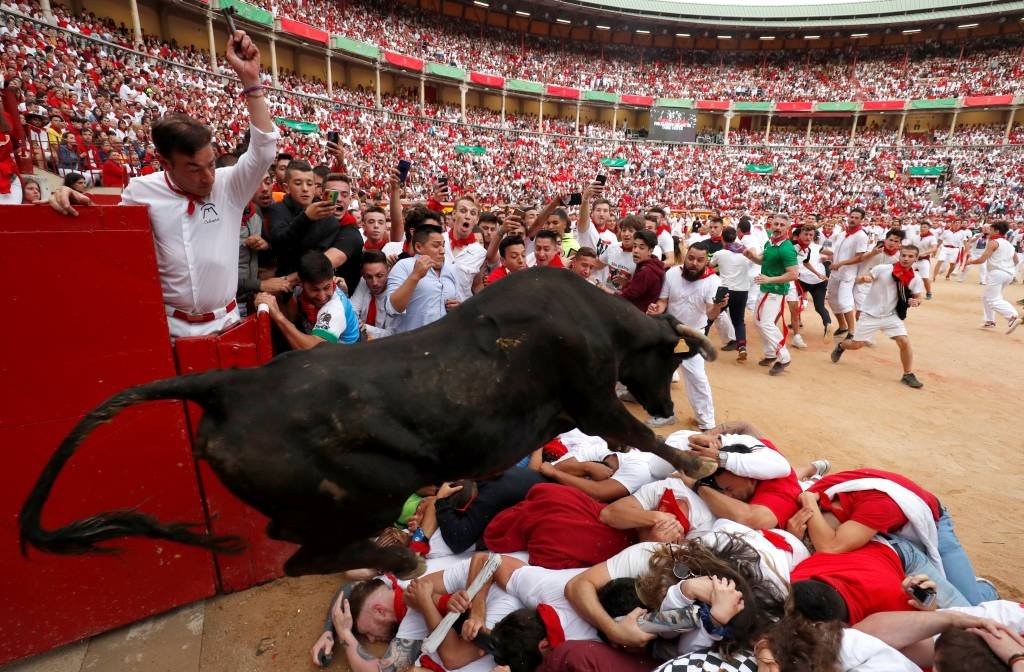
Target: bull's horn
<point>703,344</point>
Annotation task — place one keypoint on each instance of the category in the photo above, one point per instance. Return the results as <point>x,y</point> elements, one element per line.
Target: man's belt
<point>952,246</point>
<point>199,318</point>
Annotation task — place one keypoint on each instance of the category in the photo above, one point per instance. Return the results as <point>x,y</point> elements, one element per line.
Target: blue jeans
<point>958,566</point>
<point>916,562</point>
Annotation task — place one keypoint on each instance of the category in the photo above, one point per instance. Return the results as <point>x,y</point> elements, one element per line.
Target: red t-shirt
<point>869,579</point>
<point>872,508</point>
<point>780,495</point>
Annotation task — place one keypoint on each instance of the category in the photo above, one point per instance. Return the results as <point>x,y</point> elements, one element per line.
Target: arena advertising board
<point>673,125</point>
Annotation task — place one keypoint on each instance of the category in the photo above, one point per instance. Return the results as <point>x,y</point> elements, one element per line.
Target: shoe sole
<point>913,387</point>
<point>1013,327</point>
<point>778,369</point>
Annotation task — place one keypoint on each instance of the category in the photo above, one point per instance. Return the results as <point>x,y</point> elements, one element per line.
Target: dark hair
<point>417,215</point>
<point>895,232</point>
<point>297,166</point>
<point>423,233</point>
<point>225,161</point>
<point>915,248</point>
<point>862,211</point>
<point>561,214</point>
<point>701,245</point>
<point>374,257</point>
<point>586,251</point>
<point>618,597</point>
<point>1000,226</point>
<point>71,178</point>
<point>487,217</point>
<point>631,222</point>
<point>315,267</point>
<point>816,600</point>
<point>376,210</point>
<point>548,234</point>
<point>509,241</point>
<point>728,235</point>
<point>716,218</point>
<point>179,133</point>
<point>462,499</point>
<point>648,238</point>
<point>602,201</point>
<point>337,177</point>
<point>744,225</point>
<point>799,645</point>
<point>357,596</point>
<point>516,640</point>
<point>960,651</point>
<point>283,156</point>
<point>322,171</point>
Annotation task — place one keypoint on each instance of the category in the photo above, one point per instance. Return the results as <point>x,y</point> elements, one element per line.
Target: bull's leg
<point>329,558</point>
<point>612,422</point>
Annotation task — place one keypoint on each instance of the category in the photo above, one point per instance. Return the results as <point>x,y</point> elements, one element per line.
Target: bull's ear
<point>682,347</point>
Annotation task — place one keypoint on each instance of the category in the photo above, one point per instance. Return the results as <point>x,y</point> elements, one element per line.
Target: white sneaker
<point>1013,324</point>
<point>821,467</point>
<point>675,376</point>
<point>798,342</point>
<point>661,422</point>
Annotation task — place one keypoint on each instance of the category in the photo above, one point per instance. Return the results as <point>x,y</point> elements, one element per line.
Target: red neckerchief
<point>902,275</point>
<point>850,232</point>
<point>991,237</point>
<point>309,311</point>
<point>428,663</point>
<point>552,624</point>
<point>348,219</point>
<point>664,228</point>
<point>778,241</point>
<point>460,242</point>
<point>371,311</point>
<point>370,245</point>
<point>777,540</point>
<point>803,248</point>
<point>600,229</point>
<point>250,210</point>
<point>708,272</point>
<point>668,504</point>
<point>192,198</point>
<point>556,262</point>
<point>715,239</point>
<point>399,603</point>
<point>555,449</point>
<point>926,235</point>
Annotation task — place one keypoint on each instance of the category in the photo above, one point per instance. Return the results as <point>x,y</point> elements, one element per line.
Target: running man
<point>848,254</point>
<point>894,288</point>
<point>778,269</point>
<point>928,244</point>
<point>1001,260</point>
<point>951,250</point>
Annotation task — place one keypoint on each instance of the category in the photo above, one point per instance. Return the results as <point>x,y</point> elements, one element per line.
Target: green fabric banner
<point>752,106</point>
<point>926,171</point>
<point>524,86</point>
<point>838,106</point>
<point>601,96</point>
<point>443,70</point>
<point>614,162</point>
<point>934,104</point>
<point>354,47</point>
<point>470,149</point>
<point>250,12</point>
<point>300,126</point>
<point>674,102</point>
<point>760,168</point>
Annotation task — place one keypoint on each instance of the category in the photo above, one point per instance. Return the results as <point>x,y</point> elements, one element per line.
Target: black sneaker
<point>729,347</point>
<point>837,352</point>
<point>777,368</point>
<point>910,380</point>
<point>767,361</point>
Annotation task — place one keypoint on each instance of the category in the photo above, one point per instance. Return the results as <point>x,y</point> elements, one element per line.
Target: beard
<point>692,274</point>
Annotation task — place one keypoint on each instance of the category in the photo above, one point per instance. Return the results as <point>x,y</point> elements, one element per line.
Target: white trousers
<point>992,300</point>
<point>839,294</point>
<point>726,331</point>
<point>698,391</point>
<point>982,270</point>
<point>767,316</point>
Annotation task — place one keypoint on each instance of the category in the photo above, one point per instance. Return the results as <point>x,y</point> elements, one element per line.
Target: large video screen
<point>673,125</point>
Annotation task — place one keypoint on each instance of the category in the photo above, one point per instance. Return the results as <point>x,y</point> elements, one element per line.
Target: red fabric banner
<point>493,81</point>
<point>798,106</point>
<point>712,104</point>
<point>562,91</point>
<point>402,61</point>
<point>884,104</point>
<point>304,30</point>
<point>985,101</point>
<point>646,101</point>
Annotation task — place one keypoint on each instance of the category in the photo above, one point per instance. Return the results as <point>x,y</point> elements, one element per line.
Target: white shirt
<point>1002,258</point>
<point>926,246</point>
<point>536,585</point>
<point>950,238</point>
<point>811,255</point>
<point>847,248</point>
<point>733,269</point>
<point>466,263</point>
<point>881,298</point>
<point>197,255</point>
<point>861,652</point>
<point>665,243</point>
<point>638,468</point>
<point>620,265</point>
<point>361,303</point>
<point>1010,614</point>
<point>700,516</point>
<point>688,301</point>
<point>633,562</point>
<point>776,564</point>
<point>598,241</point>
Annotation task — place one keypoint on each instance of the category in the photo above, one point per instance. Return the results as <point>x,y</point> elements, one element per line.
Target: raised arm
<point>395,207</point>
<point>581,592</point>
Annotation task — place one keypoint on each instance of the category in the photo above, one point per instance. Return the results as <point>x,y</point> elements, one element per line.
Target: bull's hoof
<point>415,572</point>
<point>695,466</point>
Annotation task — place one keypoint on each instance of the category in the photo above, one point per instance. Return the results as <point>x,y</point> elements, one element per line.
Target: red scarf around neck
<point>926,235</point>
<point>348,219</point>
<point>460,242</point>
<point>399,602</point>
<point>371,310</point>
<point>668,504</point>
<point>664,228</point>
<point>902,275</point>
<point>192,198</point>
<point>992,237</point>
<point>777,540</point>
<point>552,625</point>
<point>850,232</point>
<point>250,210</point>
<point>556,262</point>
<point>379,245</point>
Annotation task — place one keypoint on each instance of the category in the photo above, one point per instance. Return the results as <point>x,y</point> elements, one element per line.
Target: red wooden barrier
<point>245,344</point>
<point>83,318</point>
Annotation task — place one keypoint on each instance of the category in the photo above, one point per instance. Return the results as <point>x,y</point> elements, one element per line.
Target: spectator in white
<point>734,271</point>
<point>617,257</point>
<point>370,297</point>
<point>422,288</point>
<point>689,295</point>
<point>846,255</point>
<point>461,250</point>
<point>1001,260</point>
<point>194,215</point>
<point>594,226</point>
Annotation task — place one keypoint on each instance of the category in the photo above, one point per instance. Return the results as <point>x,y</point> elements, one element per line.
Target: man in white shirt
<point>617,258</point>
<point>847,254</point>
<point>461,250</point>
<point>195,210</point>
<point>370,297</point>
<point>927,244</point>
<point>595,226</point>
<point>951,249</point>
<point>734,269</point>
<point>894,288</point>
<point>688,294</point>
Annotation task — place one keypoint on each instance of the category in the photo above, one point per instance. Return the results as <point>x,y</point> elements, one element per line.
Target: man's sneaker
<point>798,342</point>
<point>1014,323</point>
<point>821,467</point>
<point>910,380</point>
<point>661,422</point>
<point>729,347</point>
<point>741,353</point>
<point>828,333</point>
<point>675,376</point>
<point>837,352</point>
<point>841,333</point>
<point>988,325</point>
<point>777,368</point>
<point>928,296</point>
<point>767,361</point>
<point>983,580</point>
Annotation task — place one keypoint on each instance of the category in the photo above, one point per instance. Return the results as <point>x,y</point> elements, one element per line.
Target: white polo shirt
<point>197,254</point>
<point>466,262</point>
<point>688,301</point>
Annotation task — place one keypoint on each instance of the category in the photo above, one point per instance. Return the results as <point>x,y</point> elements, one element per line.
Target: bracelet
<point>251,89</point>
<point>256,95</point>
<point>1015,658</point>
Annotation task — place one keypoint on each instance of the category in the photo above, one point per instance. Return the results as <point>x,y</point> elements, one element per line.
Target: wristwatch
<point>723,457</point>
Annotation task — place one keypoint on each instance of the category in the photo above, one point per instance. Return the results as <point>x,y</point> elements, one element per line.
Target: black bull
<point>329,442</point>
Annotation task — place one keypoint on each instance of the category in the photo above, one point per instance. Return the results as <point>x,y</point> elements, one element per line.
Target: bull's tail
<point>82,536</point>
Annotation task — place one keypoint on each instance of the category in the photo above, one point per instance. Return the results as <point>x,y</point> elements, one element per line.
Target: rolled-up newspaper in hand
<point>433,641</point>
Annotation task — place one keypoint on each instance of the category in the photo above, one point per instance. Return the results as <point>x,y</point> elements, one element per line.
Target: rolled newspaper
<point>434,639</point>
